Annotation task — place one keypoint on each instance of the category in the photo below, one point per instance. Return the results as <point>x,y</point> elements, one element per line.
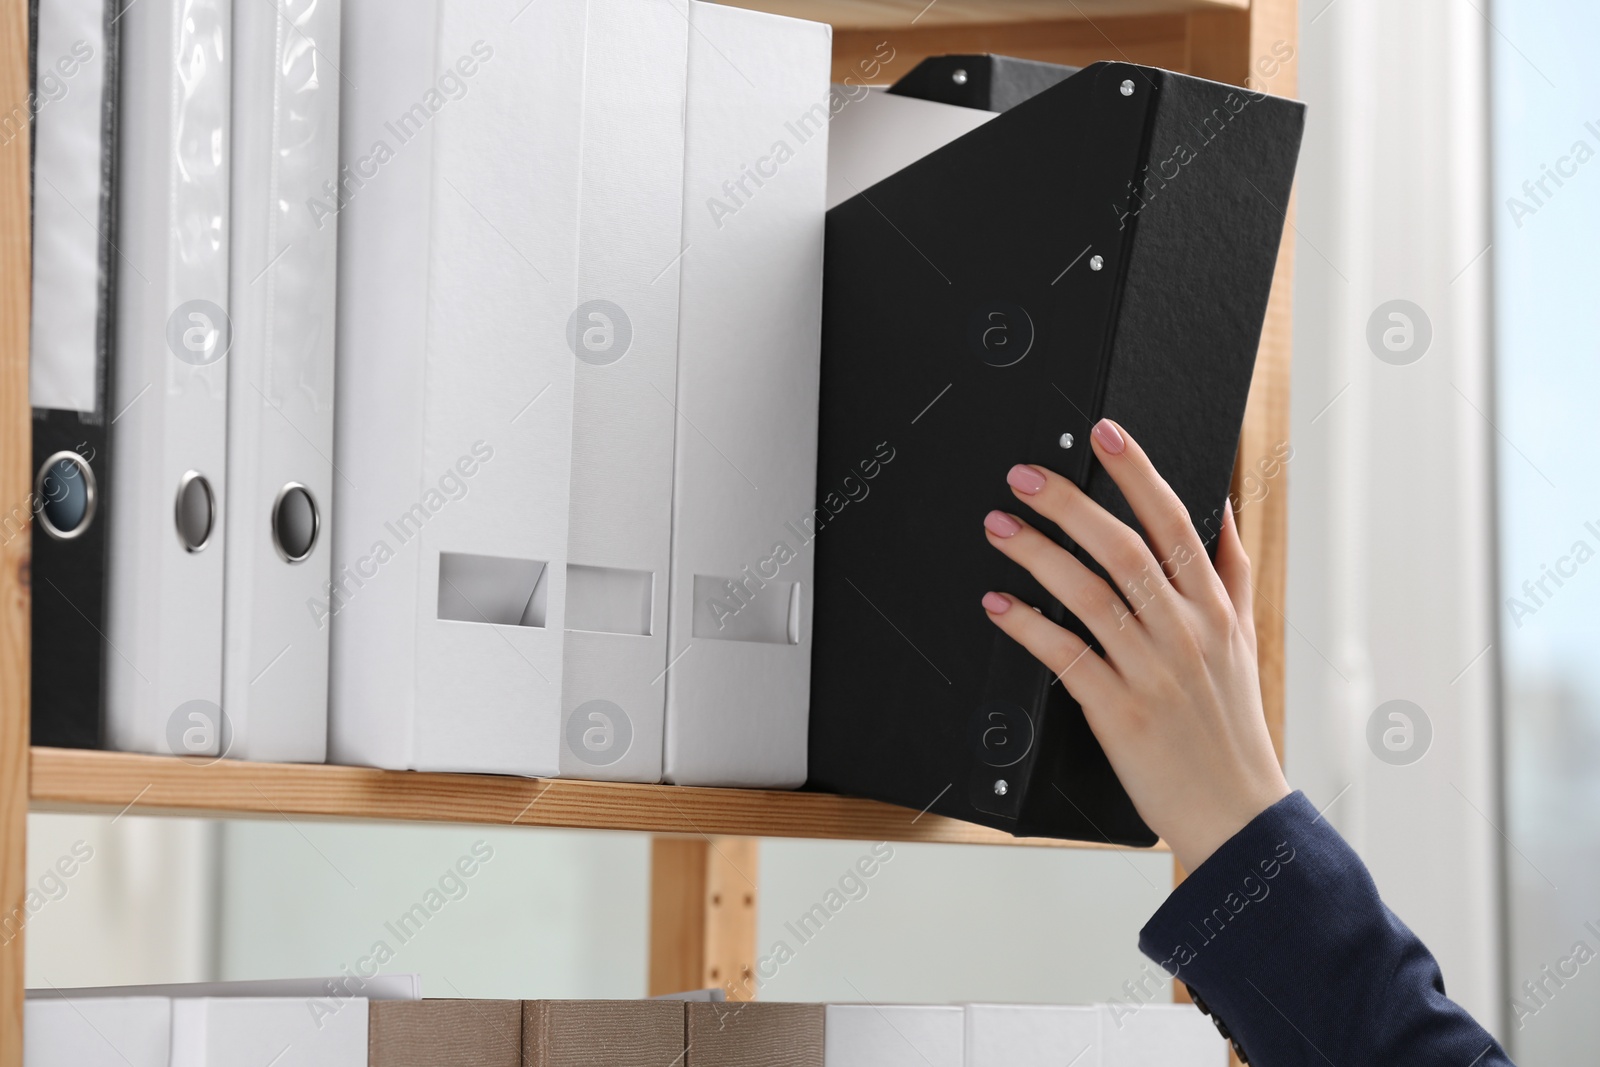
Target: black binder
<point>69,491</point>
<point>1105,248</point>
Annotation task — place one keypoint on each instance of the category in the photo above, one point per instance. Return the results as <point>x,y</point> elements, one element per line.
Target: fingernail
<point>1105,431</point>
<point>995,604</point>
<point>1024,479</point>
<point>1001,525</point>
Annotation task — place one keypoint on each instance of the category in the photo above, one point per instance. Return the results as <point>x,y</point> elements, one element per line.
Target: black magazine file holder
<point>1105,248</point>
<point>983,81</point>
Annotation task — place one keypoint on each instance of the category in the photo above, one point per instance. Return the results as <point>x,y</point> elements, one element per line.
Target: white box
<point>1159,1035</point>
<point>280,1031</point>
<point>624,336</point>
<point>509,325</point>
<point>63,1031</point>
<point>893,1035</point>
<point>280,385</point>
<point>1032,1035</point>
<point>169,426</point>
<point>755,173</point>
<point>458,240</point>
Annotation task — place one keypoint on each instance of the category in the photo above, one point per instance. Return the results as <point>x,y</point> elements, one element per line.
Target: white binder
<point>1032,1035</point>
<point>280,386</point>
<point>1173,1035</point>
<point>624,334</point>
<point>460,167</point>
<point>755,173</point>
<point>875,133</point>
<point>893,1035</point>
<point>281,1031</point>
<point>101,1032</point>
<point>169,423</point>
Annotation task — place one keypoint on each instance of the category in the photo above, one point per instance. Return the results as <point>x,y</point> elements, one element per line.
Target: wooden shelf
<point>70,780</point>
<point>892,14</point>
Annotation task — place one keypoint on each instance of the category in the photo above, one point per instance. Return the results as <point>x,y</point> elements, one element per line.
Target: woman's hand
<point>1176,701</point>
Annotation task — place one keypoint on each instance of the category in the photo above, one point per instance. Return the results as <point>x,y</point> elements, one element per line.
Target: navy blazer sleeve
<point>1282,939</point>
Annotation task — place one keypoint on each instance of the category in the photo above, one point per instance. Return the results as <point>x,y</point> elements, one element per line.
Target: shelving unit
<point>705,852</point>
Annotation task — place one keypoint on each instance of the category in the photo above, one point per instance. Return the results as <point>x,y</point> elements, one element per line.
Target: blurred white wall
<point>1391,564</point>
<point>552,913</point>
<point>116,901</point>
<point>564,914</point>
<point>952,923</point>
<point>547,913</point>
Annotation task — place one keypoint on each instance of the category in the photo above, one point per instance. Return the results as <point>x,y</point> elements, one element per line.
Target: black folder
<point>1105,248</point>
<point>71,468</point>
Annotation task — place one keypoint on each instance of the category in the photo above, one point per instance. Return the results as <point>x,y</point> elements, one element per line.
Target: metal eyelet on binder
<point>295,522</point>
<point>195,511</point>
<point>1001,787</point>
<point>65,491</point>
<point>1127,87</point>
<point>1066,440</point>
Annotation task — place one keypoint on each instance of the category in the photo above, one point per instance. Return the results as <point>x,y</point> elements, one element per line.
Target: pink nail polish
<point>995,604</point>
<point>1001,525</point>
<point>1025,479</point>
<point>1110,440</point>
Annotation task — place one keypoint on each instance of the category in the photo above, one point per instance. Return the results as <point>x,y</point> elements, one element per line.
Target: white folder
<point>1172,1035</point>
<point>875,133</point>
<point>893,1035</point>
<point>755,173</point>
<point>281,1031</point>
<point>169,427</point>
<point>378,987</point>
<point>64,1031</point>
<point>280,386</point>
<point>1032,1035</point>
<point>460,166</point>
<point>624,333</point>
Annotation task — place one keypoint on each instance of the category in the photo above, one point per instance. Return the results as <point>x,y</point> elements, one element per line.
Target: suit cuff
<point>1186,935</point>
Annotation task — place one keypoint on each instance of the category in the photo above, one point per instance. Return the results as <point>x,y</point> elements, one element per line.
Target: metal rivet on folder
<point>1097,262</point>
<point>1001,788</point>
<point>1066,440</point>
<point>295,523</point>
<point>958,76</point>
<point>1127,87</point>
<point>66,493</point>
<point>195,511</point>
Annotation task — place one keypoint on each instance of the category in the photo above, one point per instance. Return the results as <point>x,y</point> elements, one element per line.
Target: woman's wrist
<point>1192,845</point>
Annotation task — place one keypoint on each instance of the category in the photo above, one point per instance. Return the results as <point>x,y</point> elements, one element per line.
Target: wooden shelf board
<point>888,15</point>
<point>69,780</point>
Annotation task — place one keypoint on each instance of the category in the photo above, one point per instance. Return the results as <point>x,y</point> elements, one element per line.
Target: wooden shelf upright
<point>703,869</point>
